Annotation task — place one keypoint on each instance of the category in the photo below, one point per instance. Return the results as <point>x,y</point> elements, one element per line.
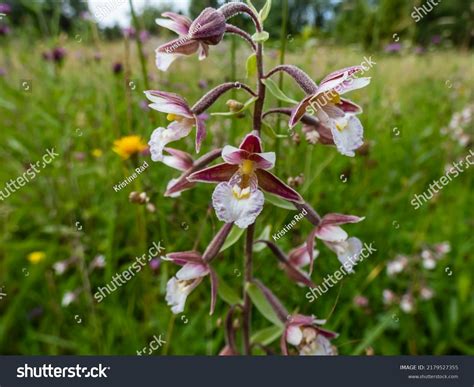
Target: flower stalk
<point>244,174</point>
<point>248,276</point>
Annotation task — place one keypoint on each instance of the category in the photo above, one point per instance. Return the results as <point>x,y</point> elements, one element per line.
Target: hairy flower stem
<point>248,268</point>
<point>211,96</point>
<point>231,29</point>
<point>234,8</point>
<point>303,79</point>
<point>216,244</point>
<point>283,32</point>
<point>311,215</point>
<point>257,114</point>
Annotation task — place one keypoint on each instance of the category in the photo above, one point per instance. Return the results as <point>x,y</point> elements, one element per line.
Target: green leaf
<point>226,293</point>
<point>245,107</point>
<point>264,12</point>
<point>260,37</point>
<point>251,65</point>
<point>267,336</point>
<point>270,132</point>
<point>264,235</point>
<point>373,334</point>
<point>279,202</point>
<point>262,304</point>
<point>252,7</point>
<point>232,238</point>
<point>276,91</point>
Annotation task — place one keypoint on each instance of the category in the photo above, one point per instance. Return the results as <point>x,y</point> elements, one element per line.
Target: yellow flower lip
<point>174,117</point>
<point>240,193</point>
<point>335,98</point>
<point>341,126</point>
<point>247,167</point>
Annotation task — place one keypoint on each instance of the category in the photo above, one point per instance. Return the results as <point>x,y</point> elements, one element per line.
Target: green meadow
<point>71,212</point>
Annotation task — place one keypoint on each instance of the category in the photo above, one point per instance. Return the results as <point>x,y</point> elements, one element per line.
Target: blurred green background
<point>418,118</point>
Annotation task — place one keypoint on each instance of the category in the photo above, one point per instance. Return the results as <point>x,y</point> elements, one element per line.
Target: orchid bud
<point>208,27</point>
<point>138,197</point>
<point>234,106</point>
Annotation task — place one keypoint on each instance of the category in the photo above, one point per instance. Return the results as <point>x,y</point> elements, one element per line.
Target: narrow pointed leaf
<point>251,65</point>
<point>227,294</point>
<point>276,91</point>
<point>268,130</point>
<point>267,336</point>
<point>252,7</point>
<point>232,238</point>
<point>279,202</point>
<point>261,303</point>
<point>259,246</point>
<point>265,11</point>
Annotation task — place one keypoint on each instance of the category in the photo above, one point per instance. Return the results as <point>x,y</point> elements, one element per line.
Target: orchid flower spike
<point>337,113</point>
<point>330,232</point>
<point>237,198</point>
<point>182,121</point>
<point>194,36</point>
<point>307,336</point>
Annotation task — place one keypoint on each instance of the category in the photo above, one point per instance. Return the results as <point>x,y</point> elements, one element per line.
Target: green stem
<point>284,30</point>
<point>233,75</point>
<point>248,267</point>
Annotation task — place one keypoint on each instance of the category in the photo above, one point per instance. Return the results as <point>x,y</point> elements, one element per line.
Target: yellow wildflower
<point>128,146</point>
<point>97,153</point>
<point>36,257</point>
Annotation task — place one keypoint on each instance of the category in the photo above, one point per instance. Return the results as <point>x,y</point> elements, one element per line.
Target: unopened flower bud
<point>138,197</point>
<point>234,105</point>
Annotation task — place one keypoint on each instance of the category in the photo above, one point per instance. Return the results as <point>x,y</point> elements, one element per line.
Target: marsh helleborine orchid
<point>182,121</point>
<point>337,113</point>
<point>194,36</point>
<point>237,197</point>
